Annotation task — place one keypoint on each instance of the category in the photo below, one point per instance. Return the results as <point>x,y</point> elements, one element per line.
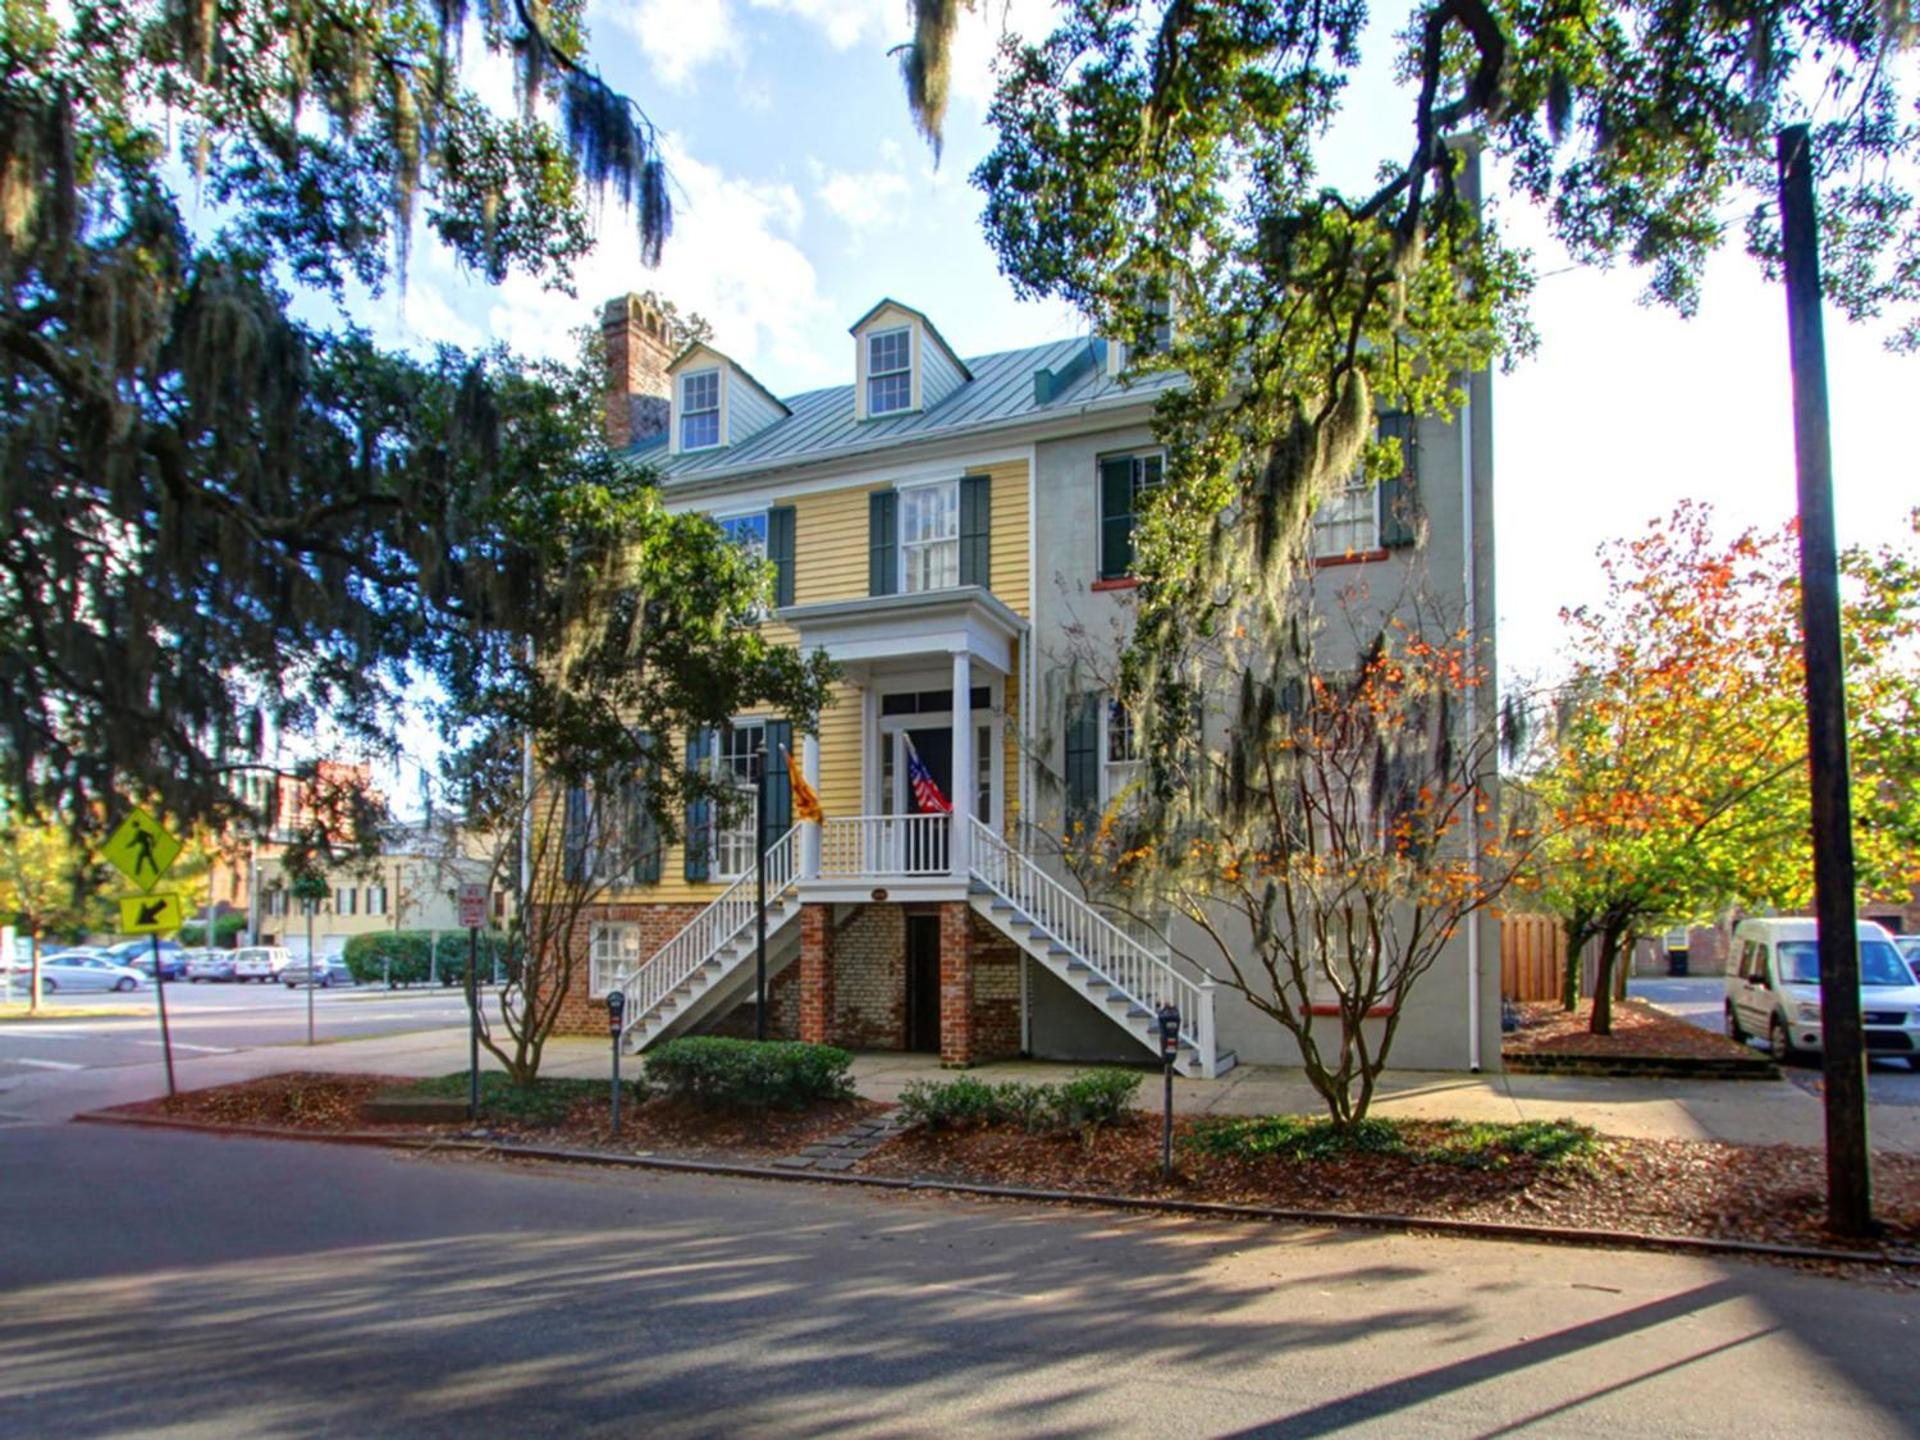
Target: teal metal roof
<point>1002,391</point>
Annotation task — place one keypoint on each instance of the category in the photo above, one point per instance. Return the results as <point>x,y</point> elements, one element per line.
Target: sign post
<point>310,889</point>
<point>140,850</point>
<point>474,903</point>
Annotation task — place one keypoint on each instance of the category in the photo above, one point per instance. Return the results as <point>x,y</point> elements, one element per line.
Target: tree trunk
<point>1570,969</point>
<point>1603,981</point>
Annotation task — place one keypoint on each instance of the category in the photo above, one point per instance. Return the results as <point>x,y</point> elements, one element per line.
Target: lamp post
<point>760,891</point>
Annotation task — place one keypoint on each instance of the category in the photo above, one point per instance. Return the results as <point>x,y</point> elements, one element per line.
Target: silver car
<point>327,972</point>
<point>209,965</point>
<point>76,970</point>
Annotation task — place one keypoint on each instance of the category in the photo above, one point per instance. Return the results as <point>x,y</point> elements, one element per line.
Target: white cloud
<point>680,37</point>
<point>865,199</point>
<point>732,257</point>
<point>847,23</point>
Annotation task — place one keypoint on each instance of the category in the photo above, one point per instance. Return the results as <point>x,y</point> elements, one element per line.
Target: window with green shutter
<point>700,744</point>
<point>780,551</point>
<point>883,543</point>
<point>1083,760</point>
<point>1400,495</point>
<point>976,528</point>
<point>1124,481</point>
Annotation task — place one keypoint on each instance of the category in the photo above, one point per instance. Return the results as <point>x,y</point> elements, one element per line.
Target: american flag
<point>926,790</point>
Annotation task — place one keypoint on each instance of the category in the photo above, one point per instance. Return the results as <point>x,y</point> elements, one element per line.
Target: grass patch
<point>545,1102</point>
<point>1476,1145</point>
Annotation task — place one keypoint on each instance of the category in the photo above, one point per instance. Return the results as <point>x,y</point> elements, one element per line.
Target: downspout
<point>1470,580</point>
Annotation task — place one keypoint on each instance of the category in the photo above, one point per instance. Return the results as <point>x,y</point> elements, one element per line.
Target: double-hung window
<point>699,409</point>
<point>734,826</point>
<point>749,532</point>
<point>613,950</point>
<point>1119,752</point>
<point>376,899</point>
<point>344,898</point>
<point>1124,483</point>
<point>1348,520</point>
<point>930,537</point>
<point>889,371</point>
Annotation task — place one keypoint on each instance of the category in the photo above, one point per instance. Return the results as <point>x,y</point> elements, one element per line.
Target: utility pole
<point>1849,1160</point>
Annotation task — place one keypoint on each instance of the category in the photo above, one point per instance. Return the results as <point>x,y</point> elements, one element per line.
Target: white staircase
<point>1100,962</point>
<point>711,962</point>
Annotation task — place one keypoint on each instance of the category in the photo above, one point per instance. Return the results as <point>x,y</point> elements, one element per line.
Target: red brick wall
<point>996,992</point>
<point>580,1012</point>
<point>956,983</point>
<point>783,1011</point>
<point>816,974</point>
<point>870,979</point>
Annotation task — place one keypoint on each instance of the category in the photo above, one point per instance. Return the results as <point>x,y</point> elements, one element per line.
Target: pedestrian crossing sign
<point>150,914</point>
<point>141,850</point>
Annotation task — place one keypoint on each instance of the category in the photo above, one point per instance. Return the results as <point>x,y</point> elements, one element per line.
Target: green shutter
<point>780,552</point>
<point>643,830</point>
<point>883,542</point>
<point>1083,760</point>
<point>573,838</point>
<point>699,812</point>
<point>976,529</point>
<point>779,737</point>
<point>1400,496</point>
<point>1116,517</point>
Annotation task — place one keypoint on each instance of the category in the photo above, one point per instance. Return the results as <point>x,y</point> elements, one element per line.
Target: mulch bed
<point>1639,1031</point>
<point>331,1104</point>
<point>1772,1194</point>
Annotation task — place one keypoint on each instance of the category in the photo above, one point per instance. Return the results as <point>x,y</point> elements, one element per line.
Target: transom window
<point>613,950</point>
<point>700,410</point>
<point>930,537</point>
<point>889,371</point>
<point>1348,520</point>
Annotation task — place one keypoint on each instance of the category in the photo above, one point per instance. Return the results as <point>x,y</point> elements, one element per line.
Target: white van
<point>1773,989</point>
<point>261,962</point>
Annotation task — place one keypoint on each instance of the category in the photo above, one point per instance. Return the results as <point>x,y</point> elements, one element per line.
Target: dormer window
<point>700,409</point>
<point>890,371</point>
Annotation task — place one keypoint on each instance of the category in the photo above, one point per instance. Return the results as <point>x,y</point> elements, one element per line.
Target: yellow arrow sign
<point>141,850</point>
<point>150,914</point>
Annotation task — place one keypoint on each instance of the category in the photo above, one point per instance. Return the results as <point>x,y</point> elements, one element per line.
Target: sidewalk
<point>1747,1112</point>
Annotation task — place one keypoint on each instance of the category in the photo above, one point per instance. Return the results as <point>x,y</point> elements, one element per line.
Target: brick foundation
<point>996,992</point>
<point>816,974</point>
<point>783,1011</point>
<point>869,1002</point>
<point>580,1012</point>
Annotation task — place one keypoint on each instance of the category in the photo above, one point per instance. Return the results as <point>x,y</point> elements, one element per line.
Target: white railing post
<point>809,831</point>
<point>1203,1031</point>
<point>959,833</point>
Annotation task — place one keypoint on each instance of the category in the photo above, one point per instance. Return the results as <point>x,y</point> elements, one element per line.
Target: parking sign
<point>475,902</point>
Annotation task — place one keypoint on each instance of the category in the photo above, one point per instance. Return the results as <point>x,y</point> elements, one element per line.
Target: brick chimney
<point>640,345</point>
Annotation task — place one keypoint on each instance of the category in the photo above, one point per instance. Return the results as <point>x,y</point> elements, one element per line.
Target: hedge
<point>1081,1106</point>
<point>410,953</point>
<point>718,1073</point>
<point>226,931</point>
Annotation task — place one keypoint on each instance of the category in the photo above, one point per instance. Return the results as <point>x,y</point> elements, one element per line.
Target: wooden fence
<point>1533,956</point>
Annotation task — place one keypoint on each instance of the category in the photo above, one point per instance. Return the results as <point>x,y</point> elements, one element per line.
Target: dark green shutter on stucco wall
<point>1083,759</point>
<point>1116,517</point>
<point>699,756</point>
<point>1400,496</point>
<point>883,542</point>
<point>976,529</point>
<point>573,839</point>
<point>780,552</point>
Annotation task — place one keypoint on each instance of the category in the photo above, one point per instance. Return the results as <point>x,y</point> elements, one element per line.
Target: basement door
<point>923,984</point>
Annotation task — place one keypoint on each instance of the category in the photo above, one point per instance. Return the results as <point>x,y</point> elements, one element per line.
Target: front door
<point>923,983</point>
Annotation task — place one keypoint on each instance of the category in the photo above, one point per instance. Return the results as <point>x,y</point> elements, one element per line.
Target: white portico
<point>932,669</point>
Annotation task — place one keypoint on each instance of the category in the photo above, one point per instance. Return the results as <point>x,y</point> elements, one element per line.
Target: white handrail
<point>670,965</point>
<point>885,845</point>
<point>1114,956</point>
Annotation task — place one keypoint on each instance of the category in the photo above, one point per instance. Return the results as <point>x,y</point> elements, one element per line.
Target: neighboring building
<point>952,531</point>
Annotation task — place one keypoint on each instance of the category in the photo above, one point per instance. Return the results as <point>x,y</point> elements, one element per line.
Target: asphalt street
<point>192,1286</point>
<point>210,1020</point>
<point>1701,1000</point>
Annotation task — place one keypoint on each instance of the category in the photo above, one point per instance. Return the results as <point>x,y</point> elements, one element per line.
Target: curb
<point>1631,1067</point>
<point>1414,1224</point>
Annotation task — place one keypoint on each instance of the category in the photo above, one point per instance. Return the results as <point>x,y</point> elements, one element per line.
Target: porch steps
<point>724,979</point>
<point>1125,1010</point>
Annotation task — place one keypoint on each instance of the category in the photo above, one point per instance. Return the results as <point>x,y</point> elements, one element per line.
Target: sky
<point>803,195</point>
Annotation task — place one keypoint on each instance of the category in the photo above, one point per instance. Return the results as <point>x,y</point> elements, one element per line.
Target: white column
<point>962,796</point>
<point>810,833</point>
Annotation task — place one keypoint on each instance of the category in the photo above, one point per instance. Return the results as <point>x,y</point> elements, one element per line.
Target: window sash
<point>700,410</point>
<point>1119,752</point>
<point>889,371</point>
<point>930,537</point>
<point>612,946</point>
<point>733,843</point>
<point>1348,521</point>
<point>1117,526</point>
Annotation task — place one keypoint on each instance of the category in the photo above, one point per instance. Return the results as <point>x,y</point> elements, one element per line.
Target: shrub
<point>1081,1106</point>
<point>1293,1137</point>
<point>1473,1144</point>
<point>410,954</point>
<point>715,1072</point>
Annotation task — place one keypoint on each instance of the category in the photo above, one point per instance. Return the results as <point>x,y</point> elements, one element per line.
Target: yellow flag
<point>806,801</point>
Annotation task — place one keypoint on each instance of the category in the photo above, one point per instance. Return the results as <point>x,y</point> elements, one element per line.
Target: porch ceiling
<point>862,633</point>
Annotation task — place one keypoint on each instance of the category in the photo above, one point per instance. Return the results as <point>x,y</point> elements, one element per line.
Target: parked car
<point>138,955</point>
<point>261,962</point>
<point>209,965</point>
<point>1909,948</point>
<point>80,970</point>
<point>1773,989</point>
<point>328,971</point>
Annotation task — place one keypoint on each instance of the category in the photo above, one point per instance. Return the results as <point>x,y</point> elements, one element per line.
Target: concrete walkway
<point>1743,1112</point>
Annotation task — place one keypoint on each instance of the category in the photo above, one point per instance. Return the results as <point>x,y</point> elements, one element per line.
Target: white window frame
<point>944,563</point>
<point>875,373</point>
<point>731,850</point>
<point>346,900</point>
<point>377,899</point>
<point>1352,511</point>
<point>612,946</point>
<point>687,410</point>
<point>1117,730</point>
<point>726,520</point>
